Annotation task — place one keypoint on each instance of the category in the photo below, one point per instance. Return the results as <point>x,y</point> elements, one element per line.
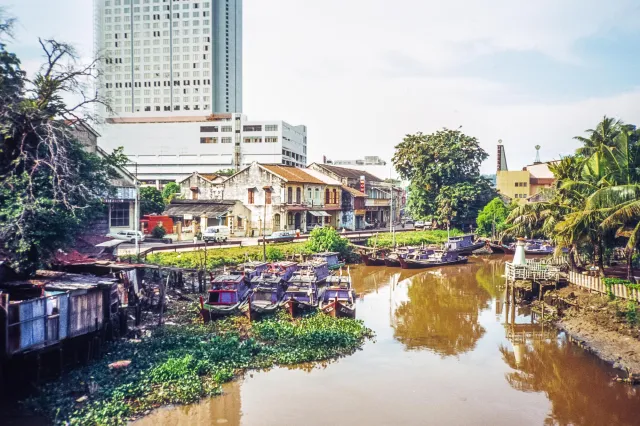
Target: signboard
<point>362,185</point>
<point>188,217</point>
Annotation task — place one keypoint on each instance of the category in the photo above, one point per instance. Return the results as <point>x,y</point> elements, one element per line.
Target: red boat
<point>338,299</point>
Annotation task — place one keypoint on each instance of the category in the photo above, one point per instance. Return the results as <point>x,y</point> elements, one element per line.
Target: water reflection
<point>441,314</point>
<point>577,384</point>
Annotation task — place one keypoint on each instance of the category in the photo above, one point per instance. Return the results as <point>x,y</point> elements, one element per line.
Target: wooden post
<point>162,290</point>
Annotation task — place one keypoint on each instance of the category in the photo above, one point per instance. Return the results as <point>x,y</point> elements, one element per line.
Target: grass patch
<point>181,364</point>
<point>414,238</point>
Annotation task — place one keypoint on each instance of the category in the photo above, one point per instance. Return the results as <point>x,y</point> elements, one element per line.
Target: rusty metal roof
<point>292,174</point>
<point>350,173</point>
<point>353,192</point>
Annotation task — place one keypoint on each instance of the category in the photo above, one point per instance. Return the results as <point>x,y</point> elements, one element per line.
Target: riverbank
<point>182,363</point>
<point>607,328</point>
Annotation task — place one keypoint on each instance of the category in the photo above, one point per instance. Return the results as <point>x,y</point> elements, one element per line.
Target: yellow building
<point>522,185</point>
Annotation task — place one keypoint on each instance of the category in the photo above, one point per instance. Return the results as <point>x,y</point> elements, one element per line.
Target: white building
<point>170,57</point>
<point>167,149</point>
<point>370,164</point>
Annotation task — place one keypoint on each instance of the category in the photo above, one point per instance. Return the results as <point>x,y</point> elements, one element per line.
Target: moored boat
<point>439,258</point>
<point>227,296</point>
<point>373,259</point>
<point>285,269</point>
<point>316,269</point>
<point>252,269</point>
<point>301,295</point>
<point>338,298</point>
<point>266,294</point>
<point>463,244</point>
<point>332,259</point>
<point>392,260</point>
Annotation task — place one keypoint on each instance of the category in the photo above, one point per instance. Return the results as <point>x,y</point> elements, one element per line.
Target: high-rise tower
<point>170,57</point>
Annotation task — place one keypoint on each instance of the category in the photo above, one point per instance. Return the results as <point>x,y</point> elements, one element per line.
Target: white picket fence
<point>597,284</point>
<point>536,271</point>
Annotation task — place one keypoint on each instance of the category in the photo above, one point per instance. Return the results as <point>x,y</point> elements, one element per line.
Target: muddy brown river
<point>448,351</point>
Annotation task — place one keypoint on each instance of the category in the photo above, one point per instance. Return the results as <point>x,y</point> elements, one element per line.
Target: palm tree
<point>602,135</point>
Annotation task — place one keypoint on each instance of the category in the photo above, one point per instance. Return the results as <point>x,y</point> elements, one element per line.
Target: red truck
<point>148,222</point>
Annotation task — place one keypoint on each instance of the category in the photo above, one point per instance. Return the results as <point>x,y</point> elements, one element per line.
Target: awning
<point>320,214</point>
<point>110,243</point>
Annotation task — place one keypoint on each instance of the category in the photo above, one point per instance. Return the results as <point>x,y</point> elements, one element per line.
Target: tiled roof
<point>198,207</point>
<point>209,176</point>
<point>353,192</point>
<point>351,173</point>
<point>292,174</point>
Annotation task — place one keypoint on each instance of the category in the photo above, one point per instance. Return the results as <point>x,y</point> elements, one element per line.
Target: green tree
<point>50,186</point>
<point>170,191</point>
<point>151,201</point>
<point>327,239</point>
<point>226,172</point>
<point>444,171</point>
<point>492,217</point>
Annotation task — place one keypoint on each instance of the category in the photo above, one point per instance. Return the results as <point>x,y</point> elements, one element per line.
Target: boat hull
<point>416,264</point>
<point>469,249</point>
<point>391,262</point>
<point>339,309</point>
<point>371,261</point>
<point>212,312</point>
<point>297,308</point>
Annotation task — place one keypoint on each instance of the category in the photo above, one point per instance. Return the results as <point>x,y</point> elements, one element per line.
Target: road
<point>129,249</point>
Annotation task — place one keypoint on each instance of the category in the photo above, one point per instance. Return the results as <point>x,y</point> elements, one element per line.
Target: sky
<point>361,74</point>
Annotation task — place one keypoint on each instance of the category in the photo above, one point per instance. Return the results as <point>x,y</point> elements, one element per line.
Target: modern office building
<point>171,148</point>
<point>170,57</point>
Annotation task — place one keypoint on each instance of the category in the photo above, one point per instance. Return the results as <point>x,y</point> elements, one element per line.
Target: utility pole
<point>137,215</point>
<point>264,220</point>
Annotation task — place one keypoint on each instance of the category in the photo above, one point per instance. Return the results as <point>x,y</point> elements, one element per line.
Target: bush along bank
<point>181,364</point>
<point>416,238</point>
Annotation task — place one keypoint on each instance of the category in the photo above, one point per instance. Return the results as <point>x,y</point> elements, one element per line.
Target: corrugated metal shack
<point>52,307</point>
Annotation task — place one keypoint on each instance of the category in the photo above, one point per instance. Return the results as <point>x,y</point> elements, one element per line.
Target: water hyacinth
<point>181,364</point>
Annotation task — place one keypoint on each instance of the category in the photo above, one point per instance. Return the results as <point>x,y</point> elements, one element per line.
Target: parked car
<point>127,235</point>
<point>217,234</point>
<point>419,224</point>
<point>279,237</point>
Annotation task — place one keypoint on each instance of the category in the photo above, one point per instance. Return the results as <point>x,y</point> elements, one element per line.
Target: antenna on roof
<point>537,161</point>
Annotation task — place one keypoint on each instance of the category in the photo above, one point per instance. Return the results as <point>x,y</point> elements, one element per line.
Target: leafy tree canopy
<point>49,185</point>
<point>444,170</point>
<point>496,211</point>
<point>170,191</point>
<point>151,201</point>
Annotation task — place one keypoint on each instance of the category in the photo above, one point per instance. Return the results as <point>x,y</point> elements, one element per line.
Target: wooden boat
<point>392,259</point>
<point>338,298</point>
<point>285,269</point>
<point>317,269</point>
<point>539,248</point>
<point>500,248</point>
<point>333,262</point>
<point>228,296</point>
<point>372,259</point>
<point>266,294</point>
<point>301,295</point>
<point>463,244</point>
<point>252,269</point>
<point>441,258</point>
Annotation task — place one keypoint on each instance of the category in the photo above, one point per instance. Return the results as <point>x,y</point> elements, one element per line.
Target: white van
<point>127,235</point>
<point>216,234</point>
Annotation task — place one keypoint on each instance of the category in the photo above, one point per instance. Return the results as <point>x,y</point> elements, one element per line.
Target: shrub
<point>327,239</point>
<point>158,232</point>
<point>274,254</point>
